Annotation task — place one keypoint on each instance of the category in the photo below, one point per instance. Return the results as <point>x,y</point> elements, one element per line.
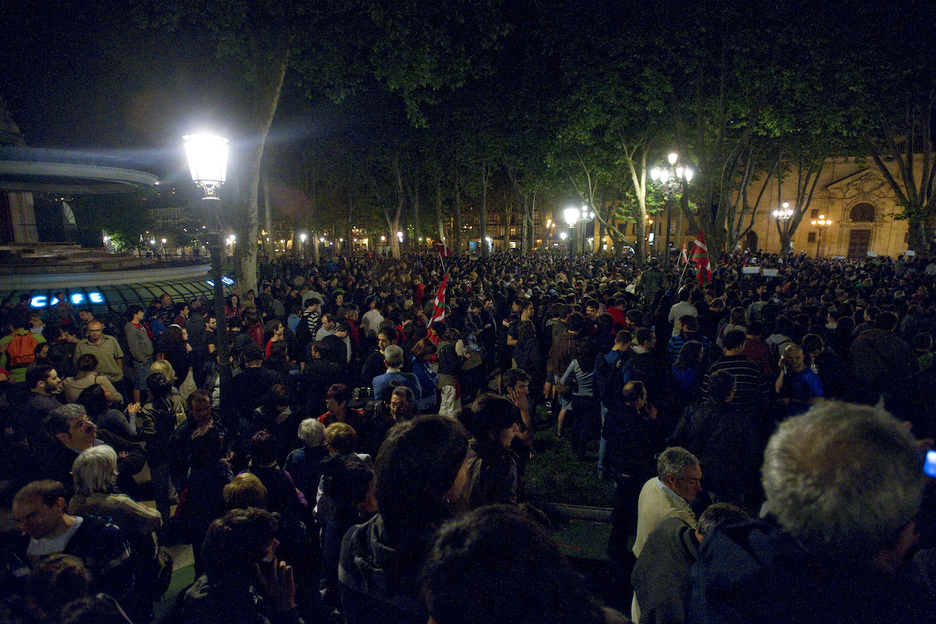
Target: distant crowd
<point>366,461</point>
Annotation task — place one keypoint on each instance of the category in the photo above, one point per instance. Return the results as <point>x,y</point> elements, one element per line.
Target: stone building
<point>851,193</point>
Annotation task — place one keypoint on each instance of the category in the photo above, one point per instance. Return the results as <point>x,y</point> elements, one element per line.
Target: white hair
<point>95,470</point>
<point>843,478</point>
<point>674,461</point>
<point>311,432</point>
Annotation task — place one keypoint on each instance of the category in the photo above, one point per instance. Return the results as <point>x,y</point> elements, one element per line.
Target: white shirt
<point>371,321</point>
<point>42,547</point>
<point>679,310</point>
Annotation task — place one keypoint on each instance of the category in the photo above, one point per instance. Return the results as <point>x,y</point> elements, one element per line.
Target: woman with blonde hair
<point>245,491</point>
<point>164,367</point>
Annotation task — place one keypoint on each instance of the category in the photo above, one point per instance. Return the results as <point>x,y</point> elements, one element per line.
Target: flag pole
<point>683,274</point>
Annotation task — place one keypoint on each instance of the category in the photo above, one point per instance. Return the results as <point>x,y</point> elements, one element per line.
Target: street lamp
<point>570,216</point>
<point>782,216</point>
<point>820,224</point>
<point>672,180</point>
<point>207,158</point>
<point>783,213</point>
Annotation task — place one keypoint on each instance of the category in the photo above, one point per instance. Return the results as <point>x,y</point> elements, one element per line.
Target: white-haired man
<point>666,496</point>
<point>843,485</point>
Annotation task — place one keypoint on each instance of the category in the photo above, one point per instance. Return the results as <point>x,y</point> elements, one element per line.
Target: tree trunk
<point>508,213</point>
<point>439,209</point>
<point>393,220</point>
<point>268,99</point>
<point>524,224</point>
<point>529,238</point>
<point>349,234</point>
<point>457,236</point>
<point>484,234</point>
<point>417,231</point>
<point>269,243</point>
<point>918,239</point>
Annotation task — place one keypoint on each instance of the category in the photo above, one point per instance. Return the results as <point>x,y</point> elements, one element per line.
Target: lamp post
<point>573,215</point>
<point>672,179</point>
<point>782,216</point>
<point>820,224</point>
<point>570,216</point>
<point>207,157</point>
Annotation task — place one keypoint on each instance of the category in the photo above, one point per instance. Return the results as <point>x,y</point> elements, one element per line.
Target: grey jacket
<point>138,343</point>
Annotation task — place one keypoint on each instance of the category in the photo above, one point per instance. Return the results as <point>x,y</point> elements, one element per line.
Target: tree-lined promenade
<point>437,120</point>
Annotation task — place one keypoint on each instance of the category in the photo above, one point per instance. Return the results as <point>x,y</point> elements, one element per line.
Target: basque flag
<point>701,257</point>
<point>438,308</point>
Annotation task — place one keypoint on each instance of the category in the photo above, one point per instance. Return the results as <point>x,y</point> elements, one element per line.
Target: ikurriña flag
<point>700,256</point>
<point>438,307</point>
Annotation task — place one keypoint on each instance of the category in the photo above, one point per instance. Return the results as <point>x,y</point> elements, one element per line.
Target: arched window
<point>862,213</point>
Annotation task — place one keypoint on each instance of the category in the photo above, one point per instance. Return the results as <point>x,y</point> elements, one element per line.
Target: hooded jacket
<point>378,579</point>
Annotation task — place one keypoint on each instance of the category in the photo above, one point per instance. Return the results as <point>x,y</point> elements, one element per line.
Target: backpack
<point>609,378</point>
<point>22,350</point>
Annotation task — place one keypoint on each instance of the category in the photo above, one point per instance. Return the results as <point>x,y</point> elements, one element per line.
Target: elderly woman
<point>304,464</point>
<point>95,473</point>
<point>87,376</point>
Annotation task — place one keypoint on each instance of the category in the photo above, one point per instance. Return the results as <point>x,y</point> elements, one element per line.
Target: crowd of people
<point>366,460</point>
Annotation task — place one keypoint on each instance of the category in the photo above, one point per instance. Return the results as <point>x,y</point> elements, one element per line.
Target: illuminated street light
<point>784,213</point>
<point>672,180</point>
<point>207,158</point>
<point>820,224</point>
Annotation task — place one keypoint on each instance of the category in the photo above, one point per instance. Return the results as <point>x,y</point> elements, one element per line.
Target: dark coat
<point>756,573</point>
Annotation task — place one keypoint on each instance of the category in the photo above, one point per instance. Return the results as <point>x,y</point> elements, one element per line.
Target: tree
<point>890,73</point>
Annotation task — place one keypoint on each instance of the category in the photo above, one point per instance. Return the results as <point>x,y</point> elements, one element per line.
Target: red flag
<point>438,308</point>
<point>701,257</point>
<point>442,248</point>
